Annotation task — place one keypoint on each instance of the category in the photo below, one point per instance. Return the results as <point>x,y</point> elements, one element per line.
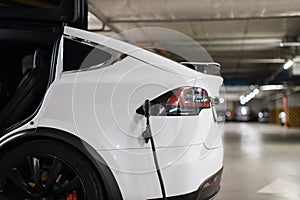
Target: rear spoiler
<point>211,68</point>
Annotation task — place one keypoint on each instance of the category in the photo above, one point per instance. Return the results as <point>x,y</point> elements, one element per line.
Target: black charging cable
<point>147,135</point>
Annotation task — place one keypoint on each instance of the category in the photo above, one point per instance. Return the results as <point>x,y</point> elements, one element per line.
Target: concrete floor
<point>261,162</point>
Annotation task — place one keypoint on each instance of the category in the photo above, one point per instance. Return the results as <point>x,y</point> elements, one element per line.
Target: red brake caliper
<point>72,196</point>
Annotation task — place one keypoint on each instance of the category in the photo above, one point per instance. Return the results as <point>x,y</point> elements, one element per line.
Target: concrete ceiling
<point>244,36</point>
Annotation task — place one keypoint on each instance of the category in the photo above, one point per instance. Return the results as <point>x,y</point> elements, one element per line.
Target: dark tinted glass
<point>79,56</point>
<point>29,4</point>
<point>72,12</point>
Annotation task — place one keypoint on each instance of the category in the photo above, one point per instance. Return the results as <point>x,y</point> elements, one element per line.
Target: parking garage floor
<point>261,162</point>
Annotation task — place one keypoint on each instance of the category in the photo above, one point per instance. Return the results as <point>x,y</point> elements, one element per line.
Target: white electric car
<point>84,116</point>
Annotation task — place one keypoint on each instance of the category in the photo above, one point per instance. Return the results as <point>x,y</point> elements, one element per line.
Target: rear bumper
<point>207,191</point>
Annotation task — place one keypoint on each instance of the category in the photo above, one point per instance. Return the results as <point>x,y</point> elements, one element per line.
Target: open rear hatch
<point>71,12</point>
<point>30,31</point>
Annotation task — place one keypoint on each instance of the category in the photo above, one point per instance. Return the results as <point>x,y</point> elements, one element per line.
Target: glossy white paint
<point>99,107</point>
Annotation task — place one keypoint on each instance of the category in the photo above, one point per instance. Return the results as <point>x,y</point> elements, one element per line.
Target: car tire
<point>48,170</point>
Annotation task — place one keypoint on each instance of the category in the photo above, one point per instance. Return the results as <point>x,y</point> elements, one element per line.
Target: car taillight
<point>184,101</point>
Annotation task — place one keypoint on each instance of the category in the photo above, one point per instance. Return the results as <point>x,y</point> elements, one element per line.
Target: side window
<point>80,55</point>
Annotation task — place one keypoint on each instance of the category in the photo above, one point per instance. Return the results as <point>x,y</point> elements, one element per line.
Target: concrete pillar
<point>285,109</point>
<point>278,110</point>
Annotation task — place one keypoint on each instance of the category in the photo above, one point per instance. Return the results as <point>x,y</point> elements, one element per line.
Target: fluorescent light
<point>289,44</point>
<point>288,64</point>
<point>271,87</point>
<point>248,97</point>
<point>256,91</point>
<point>242,102</point>
<point>251,95</point>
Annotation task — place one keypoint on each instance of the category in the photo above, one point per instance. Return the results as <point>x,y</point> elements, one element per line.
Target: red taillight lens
<point>184,101</point>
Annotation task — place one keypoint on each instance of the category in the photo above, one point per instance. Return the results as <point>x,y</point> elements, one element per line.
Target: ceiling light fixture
<point>248,97</point>
<point>256,91</point>
<point>288,64</point>
<point>271,87</point>
<point>289,44</point>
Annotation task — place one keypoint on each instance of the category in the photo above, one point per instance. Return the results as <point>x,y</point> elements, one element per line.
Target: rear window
<point>82,55</point>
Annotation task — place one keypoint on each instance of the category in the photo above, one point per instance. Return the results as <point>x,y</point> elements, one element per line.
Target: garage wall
<point>273,112</point>
<point>294,110</point>
<point>257,105</point>
<point>278,109</point>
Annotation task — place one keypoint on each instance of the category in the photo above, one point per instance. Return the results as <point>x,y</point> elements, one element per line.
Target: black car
<point>263,115</point>
<point>244,114</point>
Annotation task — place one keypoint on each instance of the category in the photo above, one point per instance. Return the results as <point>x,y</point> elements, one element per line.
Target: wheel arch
<point>111,187</point>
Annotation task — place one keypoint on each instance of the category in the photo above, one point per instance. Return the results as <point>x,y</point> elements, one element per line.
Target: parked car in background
<point>244,114</point>
<point>263,115</point>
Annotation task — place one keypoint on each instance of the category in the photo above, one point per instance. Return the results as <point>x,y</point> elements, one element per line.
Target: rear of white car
<point>100,107</point>
<point>101,104</point>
